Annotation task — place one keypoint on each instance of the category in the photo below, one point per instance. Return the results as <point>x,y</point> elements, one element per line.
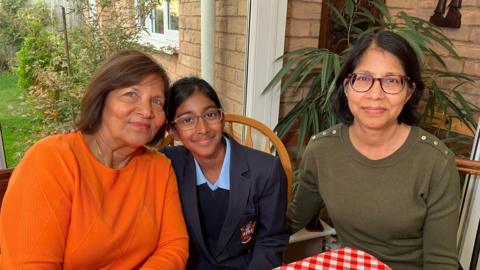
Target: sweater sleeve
<point>172,249</point>
<point>35,212</point>
<point>307,201</point>
<point>272,235</point>
<point>441,222</point>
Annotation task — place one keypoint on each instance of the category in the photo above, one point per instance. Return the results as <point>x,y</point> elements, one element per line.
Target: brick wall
<point>230,43</point>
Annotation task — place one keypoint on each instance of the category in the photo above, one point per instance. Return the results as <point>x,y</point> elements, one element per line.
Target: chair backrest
<point>4,177</point>
<point>236,125</point>
<point>271,142</point>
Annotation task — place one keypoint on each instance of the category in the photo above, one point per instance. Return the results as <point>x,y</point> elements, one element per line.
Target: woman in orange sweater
<point>97,198</point>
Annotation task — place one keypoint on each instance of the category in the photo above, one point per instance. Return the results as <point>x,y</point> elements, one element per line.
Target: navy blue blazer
<point>258,193</point>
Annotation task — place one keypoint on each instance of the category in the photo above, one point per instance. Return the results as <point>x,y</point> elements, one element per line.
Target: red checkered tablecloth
<point>343,258</point>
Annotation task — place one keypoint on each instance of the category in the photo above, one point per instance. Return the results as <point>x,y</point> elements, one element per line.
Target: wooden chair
<point>271,142</point>
<point>243,129</point>
<point>4,176</point>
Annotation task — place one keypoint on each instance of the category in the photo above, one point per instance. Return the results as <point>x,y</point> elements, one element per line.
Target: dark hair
<point>182,89</point>
<point>124,69</point>
<point>400,48</point>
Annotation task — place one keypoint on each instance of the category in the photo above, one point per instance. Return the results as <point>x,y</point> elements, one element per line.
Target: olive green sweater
<point>402,209</point>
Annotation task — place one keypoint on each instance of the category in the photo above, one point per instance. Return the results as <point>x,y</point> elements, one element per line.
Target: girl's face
<point>204,138</point>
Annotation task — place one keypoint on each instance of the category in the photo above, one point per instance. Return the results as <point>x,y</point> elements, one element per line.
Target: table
<point>343,258</point>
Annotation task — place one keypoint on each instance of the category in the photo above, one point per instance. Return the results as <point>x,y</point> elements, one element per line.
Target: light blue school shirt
<point>223,181</point>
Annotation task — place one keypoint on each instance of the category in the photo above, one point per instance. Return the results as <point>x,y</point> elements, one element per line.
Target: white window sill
<point>163,44</point>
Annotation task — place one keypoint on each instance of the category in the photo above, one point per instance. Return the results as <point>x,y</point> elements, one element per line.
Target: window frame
<point>168,41</point>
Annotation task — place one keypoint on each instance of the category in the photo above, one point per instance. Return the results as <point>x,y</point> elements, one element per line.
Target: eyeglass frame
<point>197,117</point>
<point>405,80</point>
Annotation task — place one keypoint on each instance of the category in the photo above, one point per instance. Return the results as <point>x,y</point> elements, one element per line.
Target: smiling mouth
<point>140,126</point>
<point>374,110</point>
<point>203,141</point>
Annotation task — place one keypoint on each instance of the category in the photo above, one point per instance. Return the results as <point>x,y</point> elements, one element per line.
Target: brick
<point>189,9</point>
<point>181,22</point>
<point>470,17</point>
<point>195,37</point>
<point>240,43</point>
<point>430,4</point>
<point>226,41</point>
<point>192,49</point>
<point>184,71</point>
<point>221,24</point>
<point>458,34</point>
<point>230,74</point>
<point>468,50</point>
<point>472,67</point>
<point>232,106</point>
<point>225,72</point>
<point>189,61</point>
<point>242,9</point>
<point>424,14</point>
<point>192,22</point>
<point>298,28</point>
<point>236,25</point>
<point>226,8</point>
<point>475,35</point>
<point>468,3</point>
<point>235,59</point>
<point>295,43</point>
<point>304,10</point>
<point>314,28</point>
<point>455,65</point>
<point>230,90</point>
<point>402,3</point>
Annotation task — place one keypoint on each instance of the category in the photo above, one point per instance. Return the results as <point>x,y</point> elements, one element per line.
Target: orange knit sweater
<point>64,210</point>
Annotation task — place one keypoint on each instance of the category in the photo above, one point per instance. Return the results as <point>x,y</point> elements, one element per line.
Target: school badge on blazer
<point>247,231</point>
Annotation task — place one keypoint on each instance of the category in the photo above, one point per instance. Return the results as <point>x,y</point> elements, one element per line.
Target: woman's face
<point>133,115</point>
<point>204,140</point>
<point>376,109</point>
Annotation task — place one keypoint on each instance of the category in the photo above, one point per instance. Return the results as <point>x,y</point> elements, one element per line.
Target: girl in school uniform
<point>234,198</point>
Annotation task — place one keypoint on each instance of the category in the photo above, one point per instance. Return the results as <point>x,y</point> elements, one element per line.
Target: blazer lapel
<point>238,196</point>
<point>190,208</point>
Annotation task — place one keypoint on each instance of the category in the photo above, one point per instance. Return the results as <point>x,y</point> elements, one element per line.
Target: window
<point>161,26</point>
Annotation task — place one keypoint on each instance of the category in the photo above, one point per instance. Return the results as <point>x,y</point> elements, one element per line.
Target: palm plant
<point>319,68</point>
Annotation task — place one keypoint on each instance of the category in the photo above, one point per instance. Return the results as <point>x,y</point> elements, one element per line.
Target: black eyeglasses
<point>187,122</point>
<point>391,84</point>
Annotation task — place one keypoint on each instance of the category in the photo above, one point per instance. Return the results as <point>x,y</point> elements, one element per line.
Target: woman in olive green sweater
<point>390,188</point>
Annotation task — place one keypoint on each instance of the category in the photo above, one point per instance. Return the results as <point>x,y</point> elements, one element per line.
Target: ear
<point>410,92</point>
<point>173,131</point>
<point>345,87</point>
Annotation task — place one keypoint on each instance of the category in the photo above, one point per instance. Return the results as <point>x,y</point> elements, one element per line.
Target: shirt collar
<point>223,181</point>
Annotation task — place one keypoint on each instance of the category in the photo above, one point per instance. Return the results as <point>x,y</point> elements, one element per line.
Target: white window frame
<point>266,38</point>
<point>166,42</point>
